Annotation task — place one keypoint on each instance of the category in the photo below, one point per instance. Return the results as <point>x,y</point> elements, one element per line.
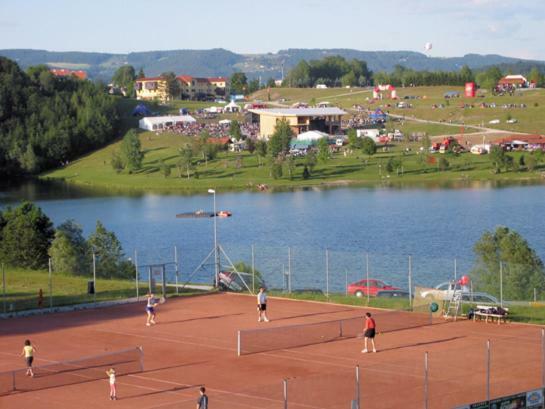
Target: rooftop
<point>299,111</point>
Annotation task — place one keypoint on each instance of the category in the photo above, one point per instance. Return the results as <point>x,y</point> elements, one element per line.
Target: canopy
<point>232,107</point>
<point>152,123</point>
<point>378,115</point>
<point>225,122</point>
<point>311,136</point>
<point>141,110</point>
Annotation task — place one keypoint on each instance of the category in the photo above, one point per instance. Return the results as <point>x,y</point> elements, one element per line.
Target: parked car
<point>443,291</point>
<point>371,287</point>
<point>393,294</point>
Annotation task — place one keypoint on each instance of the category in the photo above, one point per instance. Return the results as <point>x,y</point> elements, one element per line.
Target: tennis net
<point>298,335</point>
<point>72,372</point>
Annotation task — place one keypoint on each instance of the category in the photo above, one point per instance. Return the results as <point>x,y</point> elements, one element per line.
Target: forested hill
<point>46,121</point>
<point>217,62</point>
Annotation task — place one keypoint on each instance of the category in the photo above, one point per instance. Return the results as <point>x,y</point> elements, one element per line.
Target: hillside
<point>215,62</point>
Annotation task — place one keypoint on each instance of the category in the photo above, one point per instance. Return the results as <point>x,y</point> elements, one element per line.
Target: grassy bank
<point>531,314</point>
<point>23,288</point>
<point>233,171</point>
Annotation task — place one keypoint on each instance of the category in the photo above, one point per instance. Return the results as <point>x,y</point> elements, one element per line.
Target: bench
<point>486,312</point>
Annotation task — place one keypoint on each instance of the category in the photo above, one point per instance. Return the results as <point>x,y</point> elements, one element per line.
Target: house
<point>199,88</point>
<point>61,72</point>
<point>152,89</point>
<point>220,86</point>
<point>299,119</point>
<point>222,142</point>
<point>516,81</point>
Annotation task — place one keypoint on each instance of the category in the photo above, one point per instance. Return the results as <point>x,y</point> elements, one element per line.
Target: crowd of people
<point>216,130</point>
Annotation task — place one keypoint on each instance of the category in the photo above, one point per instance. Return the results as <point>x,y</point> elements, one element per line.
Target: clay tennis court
<point>195,343</point>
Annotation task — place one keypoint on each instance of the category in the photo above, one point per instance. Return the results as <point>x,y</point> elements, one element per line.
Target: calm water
<point>434,226</point>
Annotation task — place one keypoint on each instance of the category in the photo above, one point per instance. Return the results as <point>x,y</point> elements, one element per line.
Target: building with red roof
<point>62,72</point>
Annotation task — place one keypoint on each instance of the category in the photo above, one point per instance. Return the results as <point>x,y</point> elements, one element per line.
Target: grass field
<point>23,286</point>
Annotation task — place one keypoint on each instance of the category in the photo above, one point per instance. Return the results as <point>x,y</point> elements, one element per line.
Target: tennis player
<point>202,402</point>
<point>150,309</point>
<point>111,374</point>
<point>262,305</point>
<point>369,332</point>
<point>28,353</point>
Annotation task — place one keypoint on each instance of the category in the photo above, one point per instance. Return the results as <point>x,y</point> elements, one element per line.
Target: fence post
<point>357,397</point>
<point>136,275</point>
<point>346,282</point>
<point>149,280</point>
<point>4,298</point>
<point>285,382</point>
<point>426,397</point>
<point>289,270</point>
<point>455,269</point>
<point>253,269</point>
<point>50,285</point>
<point>177,267</point>
<point>367,275</point>
<point>327,273</point>
<point>410,283</point>
<point>94,278</point>
<point>501,284</point>
<point>488,370</point>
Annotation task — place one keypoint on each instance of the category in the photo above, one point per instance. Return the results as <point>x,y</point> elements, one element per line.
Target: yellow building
<point>153,88</point>
<point>202,88</point>
<point>220,85</point>
<point>300,119</point>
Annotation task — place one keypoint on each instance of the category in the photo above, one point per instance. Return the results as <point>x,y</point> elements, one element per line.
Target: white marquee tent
<point>232,107</point>
<point>153,123</point>
<point>311,136</point>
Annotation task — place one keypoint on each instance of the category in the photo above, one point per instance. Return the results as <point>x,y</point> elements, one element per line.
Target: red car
<point>371,286</point>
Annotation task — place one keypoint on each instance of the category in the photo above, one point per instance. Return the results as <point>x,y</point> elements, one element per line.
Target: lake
<point>434,226</point>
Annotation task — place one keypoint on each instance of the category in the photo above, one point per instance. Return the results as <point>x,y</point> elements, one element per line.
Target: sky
<point>512,28</point>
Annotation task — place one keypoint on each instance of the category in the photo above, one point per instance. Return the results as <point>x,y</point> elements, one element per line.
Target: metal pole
<point>367,274</point>
<point>346,282</point>
<point>50,285</point>
<point>426,398</point>
<point>253,269</point>
<point>501,284</point>
<point>410,282</point>
<point>4,297</point>
<point>177,268</point>
<point>216,261</point>
<point>289,270</point>
<point>94,278</point>
<point>285,382</point>
<point>327,272</point>
<point>357,387</point>
<point>136,274</point>
<point>455,270</point>
<point>488,370</point>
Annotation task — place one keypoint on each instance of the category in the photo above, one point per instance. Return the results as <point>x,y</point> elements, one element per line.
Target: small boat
<point>198,213</point>
<point>224,213</point>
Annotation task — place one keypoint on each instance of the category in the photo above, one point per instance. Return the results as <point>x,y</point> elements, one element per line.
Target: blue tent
<point>378,115</point>
<point>184,111</point>
<point>141,110</point>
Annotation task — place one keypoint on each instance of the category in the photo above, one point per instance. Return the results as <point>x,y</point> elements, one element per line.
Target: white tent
<point>152,123</point>
<point>214,110</point>
<point>225,122</point>
<point>311,136</point>
<point>232,107</point>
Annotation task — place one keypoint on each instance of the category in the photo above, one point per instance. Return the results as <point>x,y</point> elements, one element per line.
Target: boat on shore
<point>202,213</point>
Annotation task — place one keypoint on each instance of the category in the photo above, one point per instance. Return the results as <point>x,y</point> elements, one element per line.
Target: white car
<point>494,122</point>
<point>443,291</point>
<point>511,121</point>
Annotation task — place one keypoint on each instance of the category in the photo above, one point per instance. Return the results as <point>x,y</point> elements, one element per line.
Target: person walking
<point>28,353</point>
<point>369,332</point>
<point>113,391</point>
<point>202,402</point>
<point>262,305</point>
<point>150,309</point>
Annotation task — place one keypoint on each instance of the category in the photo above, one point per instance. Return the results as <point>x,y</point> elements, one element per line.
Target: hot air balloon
<point>428,46</point>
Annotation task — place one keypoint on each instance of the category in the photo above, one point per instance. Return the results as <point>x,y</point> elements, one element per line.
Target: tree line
<point>28,239</point>
<point>46,121</point>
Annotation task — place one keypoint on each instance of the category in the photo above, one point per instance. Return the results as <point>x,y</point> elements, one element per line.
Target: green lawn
<point>23,287</point>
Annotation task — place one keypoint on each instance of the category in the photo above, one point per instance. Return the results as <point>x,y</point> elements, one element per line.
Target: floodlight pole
<point>216,261</point>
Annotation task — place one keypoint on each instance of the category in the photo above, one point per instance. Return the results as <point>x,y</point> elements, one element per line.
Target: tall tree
<point>261,150</point>
<point>279,142</point>
<point>323,150</point>
<point>521,268</point>
<point>25,236</point>
<point>234,130</point>
<point>109,256</point>
<point>124,77</point>
<point>368,146</point>
<point>185,161</point>
<point>131,152</point>
<point>239,83</point>
<point>174,88</point>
